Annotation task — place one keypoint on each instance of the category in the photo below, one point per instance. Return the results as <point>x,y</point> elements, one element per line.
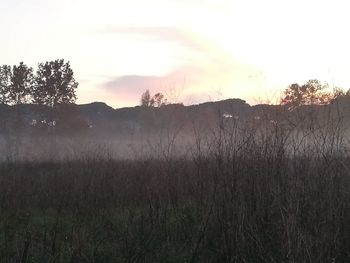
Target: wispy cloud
<point>130,87</point>
<point>170,34</point>
<point>209,67</point>
<point>198,44</point>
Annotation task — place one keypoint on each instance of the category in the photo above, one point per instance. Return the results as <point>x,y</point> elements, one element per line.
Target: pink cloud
<point>195,79</point>
<point>129,87</point>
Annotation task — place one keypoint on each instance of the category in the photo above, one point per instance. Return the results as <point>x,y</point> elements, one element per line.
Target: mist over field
<point>169,131</point>
<point>219,181</point>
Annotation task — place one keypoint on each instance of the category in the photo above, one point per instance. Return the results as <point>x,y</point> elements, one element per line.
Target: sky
<point>190,50</point>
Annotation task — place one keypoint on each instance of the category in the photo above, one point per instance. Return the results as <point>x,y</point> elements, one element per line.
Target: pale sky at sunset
<point>191,50</point>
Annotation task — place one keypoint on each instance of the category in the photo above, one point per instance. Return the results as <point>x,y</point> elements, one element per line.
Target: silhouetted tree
<point>21,84</point>
<point>17,89</point>
<point>5,83</point>
<point>312,92</point>
<point>339,93</point>
<point>157,100</point>
<point>146,99</point>
<point>55,83</point>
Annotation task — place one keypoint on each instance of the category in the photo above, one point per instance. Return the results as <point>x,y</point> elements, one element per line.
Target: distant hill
<point>100,119</point>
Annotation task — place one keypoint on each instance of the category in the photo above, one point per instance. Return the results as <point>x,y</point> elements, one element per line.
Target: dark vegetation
<point>215,182</point>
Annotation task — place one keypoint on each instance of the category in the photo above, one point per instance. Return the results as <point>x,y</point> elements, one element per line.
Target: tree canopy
<point>53,84</point>
<point>5,83</point>
<point>157,100</point>
<point>313,92</point>
<point>146,99</point>
<point>21,84</point>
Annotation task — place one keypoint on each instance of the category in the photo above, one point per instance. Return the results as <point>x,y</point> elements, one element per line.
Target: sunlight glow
<point>207,49</point>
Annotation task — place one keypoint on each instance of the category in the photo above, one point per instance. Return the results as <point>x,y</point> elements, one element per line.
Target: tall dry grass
<point>270,189</point>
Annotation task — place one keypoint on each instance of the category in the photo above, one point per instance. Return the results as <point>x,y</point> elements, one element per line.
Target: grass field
<point>237,194</point>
